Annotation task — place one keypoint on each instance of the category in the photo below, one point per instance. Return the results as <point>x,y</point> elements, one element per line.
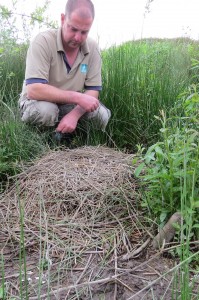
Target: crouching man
<point>63,74</point>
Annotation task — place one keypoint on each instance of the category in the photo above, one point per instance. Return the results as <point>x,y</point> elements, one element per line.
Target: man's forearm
<point>45,92</point>
<point>92,93</point>
<point>78,112</point>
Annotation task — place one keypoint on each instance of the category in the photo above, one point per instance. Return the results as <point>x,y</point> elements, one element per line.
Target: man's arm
<point>88,101</point>
<point>69,122</point>
<point>92,93</point>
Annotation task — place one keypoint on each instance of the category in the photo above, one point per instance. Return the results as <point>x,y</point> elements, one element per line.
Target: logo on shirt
<point>84,68</point>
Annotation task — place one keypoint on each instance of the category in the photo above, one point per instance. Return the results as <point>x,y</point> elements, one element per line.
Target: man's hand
<point>67,124</point>
<point>88,102</point>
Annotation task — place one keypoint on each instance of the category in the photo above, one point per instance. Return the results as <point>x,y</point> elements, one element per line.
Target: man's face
<point>75,30</point>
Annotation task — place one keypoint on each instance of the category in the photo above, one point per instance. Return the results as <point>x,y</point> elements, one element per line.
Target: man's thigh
<point>40,113</point>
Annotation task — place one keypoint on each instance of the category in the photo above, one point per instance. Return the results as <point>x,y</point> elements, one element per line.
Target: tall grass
<point>19,143</point>
<point>12,68</point>
<point>139,79</point>
<point>172,164</point>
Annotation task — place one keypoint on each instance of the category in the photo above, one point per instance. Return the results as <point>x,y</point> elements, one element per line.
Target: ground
<point>142,277</point>
<point>72,227</point>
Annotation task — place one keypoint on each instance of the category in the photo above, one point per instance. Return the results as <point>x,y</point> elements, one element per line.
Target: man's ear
<point>62,19</point>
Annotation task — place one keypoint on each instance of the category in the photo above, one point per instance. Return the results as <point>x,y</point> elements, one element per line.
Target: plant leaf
<point>139,169</point>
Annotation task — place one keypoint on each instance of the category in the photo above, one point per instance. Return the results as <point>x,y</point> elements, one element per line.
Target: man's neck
<point>71,55</point>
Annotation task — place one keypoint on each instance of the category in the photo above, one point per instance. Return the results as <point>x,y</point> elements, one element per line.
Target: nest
<point>80,188</point>
<point>72,203</point>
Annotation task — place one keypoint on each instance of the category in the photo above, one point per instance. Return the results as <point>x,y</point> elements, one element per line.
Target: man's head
<point>72,5</point>
<point>76,23</point>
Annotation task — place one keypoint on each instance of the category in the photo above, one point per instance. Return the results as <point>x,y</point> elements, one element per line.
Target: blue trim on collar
<point>68,67</point>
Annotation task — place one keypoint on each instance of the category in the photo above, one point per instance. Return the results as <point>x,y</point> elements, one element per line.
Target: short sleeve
<point>38,59</point>
<point>93,77</point>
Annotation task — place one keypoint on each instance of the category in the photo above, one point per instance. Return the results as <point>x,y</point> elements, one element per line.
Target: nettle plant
<point>169,170</point>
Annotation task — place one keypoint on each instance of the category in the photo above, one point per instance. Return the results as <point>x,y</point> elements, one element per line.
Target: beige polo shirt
<point>45,63</point>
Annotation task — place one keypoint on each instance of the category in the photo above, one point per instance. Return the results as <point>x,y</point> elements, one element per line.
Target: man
<point>63,74</point>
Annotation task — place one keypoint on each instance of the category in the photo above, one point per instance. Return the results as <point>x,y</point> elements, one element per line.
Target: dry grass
<point>77,194</point>
<point>79,213</point>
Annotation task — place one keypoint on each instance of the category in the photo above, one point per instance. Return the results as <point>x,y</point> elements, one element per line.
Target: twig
<point>146,262</point>
<point>125,238</point>
<point>115,256</point>
<point>11,276</point>
<point>156,272</point>
<point>91,184</point>
<point>125,285</point>
<point>135,252</point>
<point>85,269</point>
<point>129,271</point>
<point>82,274</point>
<point>90,283</point>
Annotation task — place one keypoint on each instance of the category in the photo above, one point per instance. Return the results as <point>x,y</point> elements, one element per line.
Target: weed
<point>171,166</point>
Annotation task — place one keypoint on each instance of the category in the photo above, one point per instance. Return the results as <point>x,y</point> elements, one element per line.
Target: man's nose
<point>78,36</point>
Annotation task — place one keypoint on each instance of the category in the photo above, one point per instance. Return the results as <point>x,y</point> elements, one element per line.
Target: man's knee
<point>40,113</point>
<point>100,116</point>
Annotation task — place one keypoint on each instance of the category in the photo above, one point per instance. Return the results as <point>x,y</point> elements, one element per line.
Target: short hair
<point>72,5</point>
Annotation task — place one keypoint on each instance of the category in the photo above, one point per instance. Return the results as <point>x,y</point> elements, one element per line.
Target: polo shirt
<point>46,63</point>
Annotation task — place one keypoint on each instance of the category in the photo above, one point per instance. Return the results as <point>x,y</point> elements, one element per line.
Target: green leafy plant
<point>170,168</point>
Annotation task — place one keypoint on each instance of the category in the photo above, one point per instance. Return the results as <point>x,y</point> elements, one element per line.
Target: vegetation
<point>172,163</point>
<point>152,89</point>
<point>169,174</point>
<point>140,78</point>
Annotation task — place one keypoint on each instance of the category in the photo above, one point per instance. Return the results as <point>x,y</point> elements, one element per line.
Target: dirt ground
<point>141,277</point>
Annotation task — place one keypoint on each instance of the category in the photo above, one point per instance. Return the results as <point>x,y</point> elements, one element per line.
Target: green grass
<point>12,66</point>
<point>19,143</point>
<point>139,79</point>
<point>172,172</point>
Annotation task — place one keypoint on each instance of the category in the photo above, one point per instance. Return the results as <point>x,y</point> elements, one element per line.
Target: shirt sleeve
<point>93,76</point>
<point>38,60</point>
<point>93,88</point>
<point>35,80</point>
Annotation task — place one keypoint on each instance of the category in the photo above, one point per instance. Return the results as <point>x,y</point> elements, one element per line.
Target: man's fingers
<point>94,107</point>
<point>89,103</point>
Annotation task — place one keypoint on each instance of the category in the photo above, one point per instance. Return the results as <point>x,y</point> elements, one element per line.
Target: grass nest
<point>75,194</point>
<point>68,214</point>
